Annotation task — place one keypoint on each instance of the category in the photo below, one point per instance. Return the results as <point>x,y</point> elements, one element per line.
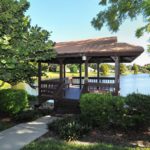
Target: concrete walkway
<point>20,135</point>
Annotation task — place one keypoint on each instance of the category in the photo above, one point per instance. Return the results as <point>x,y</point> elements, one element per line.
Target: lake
<point>139,83</point>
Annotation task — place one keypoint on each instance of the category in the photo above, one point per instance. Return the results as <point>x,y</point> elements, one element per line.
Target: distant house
<point>90,69</point>
<point>67,69</point>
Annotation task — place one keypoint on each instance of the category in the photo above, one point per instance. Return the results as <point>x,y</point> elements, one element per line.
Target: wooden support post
<point>86,75</point>
<point>64,70</point>
<point>39,80</point>
<point>117,75</point>
<point>86,72</point>
<point>61,70</point>
<point>80,76</point>
<point>98,72</point>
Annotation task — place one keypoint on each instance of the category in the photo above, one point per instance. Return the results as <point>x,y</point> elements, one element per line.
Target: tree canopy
<point>135,68</point>
<point>123,68</point>
<point>115,12</point>
<point>105,69</point>
<point>21,43</point>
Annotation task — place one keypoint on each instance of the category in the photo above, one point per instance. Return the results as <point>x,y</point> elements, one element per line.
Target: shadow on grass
<point>50,144</point>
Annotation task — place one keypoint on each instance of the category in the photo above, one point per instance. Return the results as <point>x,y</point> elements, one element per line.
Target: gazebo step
<point>67,106</point>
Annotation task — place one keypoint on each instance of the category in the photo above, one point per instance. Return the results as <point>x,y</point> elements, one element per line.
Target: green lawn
<point>5,86</point>
<point>56,74</point>
<point>49,144</point>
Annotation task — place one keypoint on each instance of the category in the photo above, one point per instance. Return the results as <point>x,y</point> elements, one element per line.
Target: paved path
<point>20,135</point>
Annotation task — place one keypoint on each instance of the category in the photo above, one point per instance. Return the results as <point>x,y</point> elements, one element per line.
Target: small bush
<point>32,98</point>
<point>45,112</point>
<point>69,128</point>
<point>101,110</point>
<point>26,116</point>
<point>137,111</point>
<point>30,115</point>
<point>13,101</point>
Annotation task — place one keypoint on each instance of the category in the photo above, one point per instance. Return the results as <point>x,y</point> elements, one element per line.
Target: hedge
<point>106,110</point>
<point>13,101</point>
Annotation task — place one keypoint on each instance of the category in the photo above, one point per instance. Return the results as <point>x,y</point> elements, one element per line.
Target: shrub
<point>101,110</point>
<point>13,101</point>
<point>131,112</point>
<point>69,128</point>
<point>28,115</point>
<point>45,112</point>
<point>32,98</point>
<point>137,111</point>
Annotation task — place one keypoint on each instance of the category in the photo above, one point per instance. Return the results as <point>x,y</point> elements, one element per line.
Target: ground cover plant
<point>70,128</point>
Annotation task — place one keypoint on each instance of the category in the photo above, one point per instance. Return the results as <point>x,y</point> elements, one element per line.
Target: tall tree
<point>135,68</point>
<point>20,43</point>
<point>115,12</point>
<point>123,68</point>
<point>105,69</point>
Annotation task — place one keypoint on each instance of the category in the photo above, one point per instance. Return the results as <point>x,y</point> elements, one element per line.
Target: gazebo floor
<point>70,102</point>
<point>72,93</point>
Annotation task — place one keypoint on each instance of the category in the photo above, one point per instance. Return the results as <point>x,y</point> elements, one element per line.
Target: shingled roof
<point>97,47</point>
<point>97,50</point>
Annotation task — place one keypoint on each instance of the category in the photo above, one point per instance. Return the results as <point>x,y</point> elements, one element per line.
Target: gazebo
<point>100,50</point>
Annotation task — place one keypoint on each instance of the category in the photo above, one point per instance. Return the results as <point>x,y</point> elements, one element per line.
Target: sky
<point>71,20</point>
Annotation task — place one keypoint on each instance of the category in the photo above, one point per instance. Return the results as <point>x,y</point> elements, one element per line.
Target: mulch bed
<point>133,139</point>
<point>6,122</point>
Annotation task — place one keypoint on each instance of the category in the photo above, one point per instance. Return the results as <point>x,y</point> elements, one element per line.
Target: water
<point>139,83</point>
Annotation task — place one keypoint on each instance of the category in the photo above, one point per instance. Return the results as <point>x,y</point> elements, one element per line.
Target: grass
<point>5,86</point>
<point>50,144</point>
<point>68,74</point>
<point>52,75</point>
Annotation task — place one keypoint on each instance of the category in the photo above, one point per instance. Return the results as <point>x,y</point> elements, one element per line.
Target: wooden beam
<point>117,75</point>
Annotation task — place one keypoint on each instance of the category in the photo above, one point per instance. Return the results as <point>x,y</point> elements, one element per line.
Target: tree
<point>104,69</point>
<point>20,43</point>
<point>73,68</point>
<point>135,68</point>
<point>123,68</point>
<point>115,12</point>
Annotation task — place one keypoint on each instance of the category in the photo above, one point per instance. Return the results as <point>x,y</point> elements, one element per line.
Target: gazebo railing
<point>98,88</point>
<point>49,88</point>
<point>109,80</point>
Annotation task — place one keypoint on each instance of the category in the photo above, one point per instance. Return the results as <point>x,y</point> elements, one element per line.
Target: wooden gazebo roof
<point>99,50</point>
